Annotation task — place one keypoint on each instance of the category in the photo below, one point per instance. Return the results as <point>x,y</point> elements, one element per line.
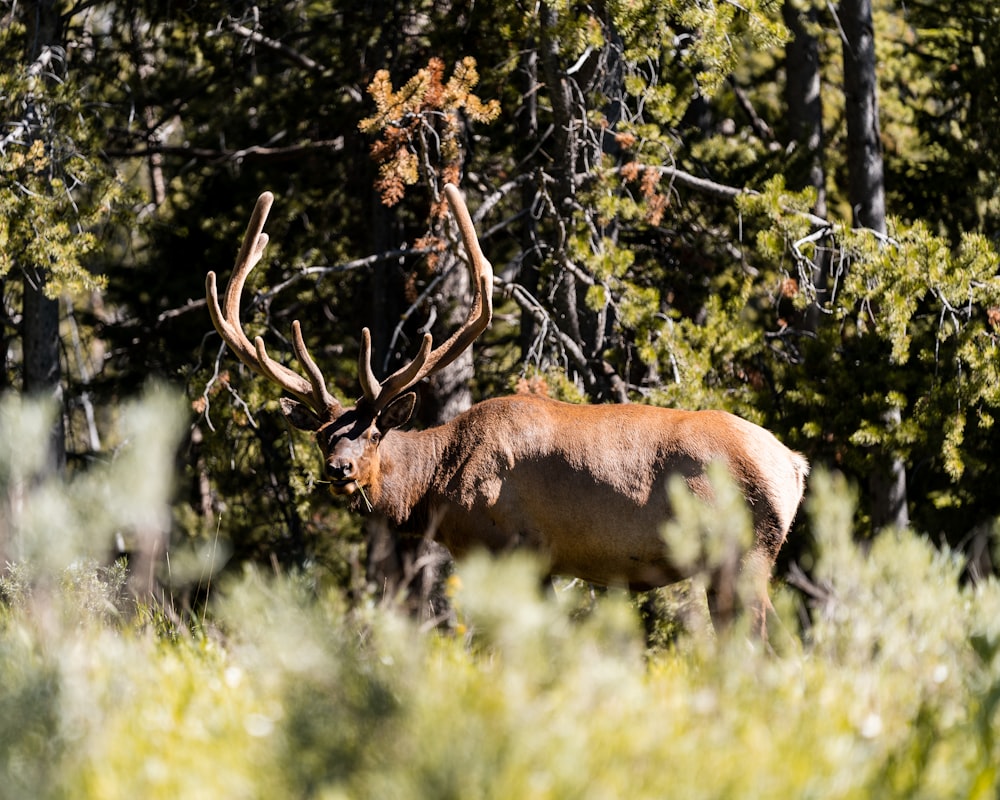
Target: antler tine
<point>320,392</point>
<point>312,392</point>
<point>481,272</point>
<point>370,386</point>
<point>427,360</point>
<point>251,251</point>
<point>380,393</point>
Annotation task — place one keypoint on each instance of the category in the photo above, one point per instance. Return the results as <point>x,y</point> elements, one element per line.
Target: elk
<point>583,485</point>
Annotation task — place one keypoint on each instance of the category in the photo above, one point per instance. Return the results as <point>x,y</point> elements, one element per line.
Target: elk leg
<point>754,582</point>
<point>732,590</point>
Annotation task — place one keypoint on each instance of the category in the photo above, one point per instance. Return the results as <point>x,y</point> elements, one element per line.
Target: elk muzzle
<point>343,475</point>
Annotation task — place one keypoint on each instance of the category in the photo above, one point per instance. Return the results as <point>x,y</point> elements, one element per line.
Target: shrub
<point>884,681</point>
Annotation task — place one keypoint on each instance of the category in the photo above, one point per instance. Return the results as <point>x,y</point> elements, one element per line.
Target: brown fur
<point>584,485</point>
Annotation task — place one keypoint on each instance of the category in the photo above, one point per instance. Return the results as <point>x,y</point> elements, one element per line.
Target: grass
<point>285,690</point>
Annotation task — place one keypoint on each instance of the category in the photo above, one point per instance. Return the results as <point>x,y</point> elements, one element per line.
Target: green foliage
<point>891,690</point>
<point>935,304</point>
<point>911,324</point>
<point>702,539</point>
<point>712,37</point>
<point>57,195</point>
<point>49,523</point>
<point>941,130</point>
<point>30,713</point>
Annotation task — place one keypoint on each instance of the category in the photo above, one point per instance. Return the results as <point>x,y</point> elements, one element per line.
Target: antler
<point>311,391</point>
<point>380,394</point>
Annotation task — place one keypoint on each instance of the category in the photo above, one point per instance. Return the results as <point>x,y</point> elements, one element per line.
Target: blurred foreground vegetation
<point>882,680</point>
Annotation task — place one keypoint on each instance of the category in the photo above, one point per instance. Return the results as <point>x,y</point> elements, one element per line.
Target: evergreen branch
<point>172,313</point>
<point>703,185</point>
<point>725,192</point>
<point>347,266</point>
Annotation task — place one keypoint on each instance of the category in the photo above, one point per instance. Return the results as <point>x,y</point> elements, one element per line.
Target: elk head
<point>349,437</point>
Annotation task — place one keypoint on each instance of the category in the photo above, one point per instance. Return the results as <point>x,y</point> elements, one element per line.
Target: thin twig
<point>272,44</point>
<point>224,155</point>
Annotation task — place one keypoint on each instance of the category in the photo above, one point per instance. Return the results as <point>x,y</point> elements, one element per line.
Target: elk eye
<point>375,438</point>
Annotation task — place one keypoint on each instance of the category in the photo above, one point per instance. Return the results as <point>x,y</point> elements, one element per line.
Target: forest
<point>785,209</point>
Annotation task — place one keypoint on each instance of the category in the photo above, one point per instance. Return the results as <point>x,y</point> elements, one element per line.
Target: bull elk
<point>584,485</point>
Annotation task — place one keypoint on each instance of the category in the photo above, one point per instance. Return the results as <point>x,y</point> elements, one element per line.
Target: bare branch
<point>272,44</point>
<point>543,319</point>
<point>213,155</point>
<point>347,266</point>
<point>491,198</point>
<point>759,125</point>
<point>172,313</point>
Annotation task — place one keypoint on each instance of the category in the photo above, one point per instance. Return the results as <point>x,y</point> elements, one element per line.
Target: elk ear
<point>397,412</point>
<point>299,415</point>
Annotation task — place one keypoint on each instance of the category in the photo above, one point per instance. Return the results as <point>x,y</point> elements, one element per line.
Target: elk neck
<point>409,468</point>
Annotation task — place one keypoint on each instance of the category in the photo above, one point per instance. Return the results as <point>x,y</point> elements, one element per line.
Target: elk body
<point>584,486</point>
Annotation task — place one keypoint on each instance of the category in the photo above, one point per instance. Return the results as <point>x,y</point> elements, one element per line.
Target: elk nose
<point>340,470</point>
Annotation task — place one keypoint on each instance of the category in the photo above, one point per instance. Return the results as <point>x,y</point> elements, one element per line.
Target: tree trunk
<point>5,339</point>
<point>42,372</point>
<point>805,122</point>
<point>866,177</point>
<point>409,569</point>
<point>564,189</point>
<point>40,318</point>
<point>449,391</point>
<point>574,320</point>
<point>805,105</point>
<point>866,185</point>
<point>527,127</point>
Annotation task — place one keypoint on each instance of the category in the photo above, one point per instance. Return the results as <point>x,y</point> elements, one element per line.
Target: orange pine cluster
<point>649,179</point>
<point>419,125</point>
